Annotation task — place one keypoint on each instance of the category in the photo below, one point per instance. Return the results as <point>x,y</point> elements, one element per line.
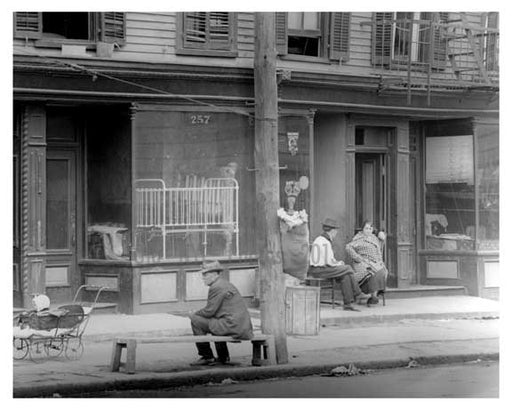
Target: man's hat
<point>213,266</point>
<point>331,223</point>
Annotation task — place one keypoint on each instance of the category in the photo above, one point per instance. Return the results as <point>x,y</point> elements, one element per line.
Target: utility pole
<point>272,303</point>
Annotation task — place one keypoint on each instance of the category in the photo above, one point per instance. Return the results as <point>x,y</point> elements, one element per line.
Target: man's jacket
<point>227,311</point>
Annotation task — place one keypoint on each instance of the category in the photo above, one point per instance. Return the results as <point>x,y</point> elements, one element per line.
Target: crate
<point>302,310</point>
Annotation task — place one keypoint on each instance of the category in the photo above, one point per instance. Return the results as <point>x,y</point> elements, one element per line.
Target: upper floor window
<point>207,33</point>
<point>403,37</point>
<point>313,34</point>
<point>81,27</point>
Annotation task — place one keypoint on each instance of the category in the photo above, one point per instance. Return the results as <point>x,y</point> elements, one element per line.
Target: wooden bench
<point>260,344</point>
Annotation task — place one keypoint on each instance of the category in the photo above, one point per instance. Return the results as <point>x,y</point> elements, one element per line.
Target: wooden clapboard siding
<point>360,40</point>
<point>148,33</point>
<point>246,35</point>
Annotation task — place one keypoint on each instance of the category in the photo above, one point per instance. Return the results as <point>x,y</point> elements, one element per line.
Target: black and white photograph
<point>278,201</point>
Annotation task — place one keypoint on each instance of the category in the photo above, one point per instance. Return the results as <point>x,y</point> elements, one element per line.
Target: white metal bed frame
<point>211,207</point>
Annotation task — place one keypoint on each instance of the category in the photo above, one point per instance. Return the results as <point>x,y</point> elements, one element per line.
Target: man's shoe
<point>372,301</point>
<point>203,361</point>
<point>350,307</point>
<point>218,361</point>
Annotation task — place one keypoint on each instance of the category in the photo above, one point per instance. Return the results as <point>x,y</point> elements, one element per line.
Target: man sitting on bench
<point>225,314</point>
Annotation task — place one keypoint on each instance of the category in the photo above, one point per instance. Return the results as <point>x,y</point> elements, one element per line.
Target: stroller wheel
<point>54,347</point>
<point>19,348</point>
<point>37,350</point>
<point>74,349</point>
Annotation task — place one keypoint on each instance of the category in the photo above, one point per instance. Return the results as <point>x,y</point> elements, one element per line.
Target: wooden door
<point>371,191</point>
<point>61,224</point>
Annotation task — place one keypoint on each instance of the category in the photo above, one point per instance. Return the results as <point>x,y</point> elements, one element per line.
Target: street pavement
<point>427,330</point>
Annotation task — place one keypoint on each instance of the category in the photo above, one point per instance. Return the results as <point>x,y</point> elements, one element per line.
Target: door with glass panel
<point>61,223</point>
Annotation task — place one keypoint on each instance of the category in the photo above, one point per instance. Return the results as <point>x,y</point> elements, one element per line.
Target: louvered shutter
<point>281,25</point>
<point>491,61</point>
<point>219,30</point>
<point>339,46</point>
<point>440,44</point>
<point>381,38</point>
<point>28,25</point>
<point>113,27</point>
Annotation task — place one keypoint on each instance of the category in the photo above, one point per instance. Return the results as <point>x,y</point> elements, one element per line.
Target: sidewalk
<point>429,330</point>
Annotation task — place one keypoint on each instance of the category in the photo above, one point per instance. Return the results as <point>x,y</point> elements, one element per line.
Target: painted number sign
<point>200,119</point>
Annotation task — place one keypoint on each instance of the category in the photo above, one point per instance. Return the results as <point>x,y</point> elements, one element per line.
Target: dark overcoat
<point>226,311</point>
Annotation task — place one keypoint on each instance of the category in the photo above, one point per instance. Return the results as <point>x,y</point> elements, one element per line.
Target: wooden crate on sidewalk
<point>302,310</point>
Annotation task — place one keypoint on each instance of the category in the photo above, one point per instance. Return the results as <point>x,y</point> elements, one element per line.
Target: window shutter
<point>281,25</point>
<point>440,43</point>
<point>491,55</point>
<point>28,25</point>
<point>381,38</point>
<point>219,23</point>
<point>339,46</point>
<point>113,27</point>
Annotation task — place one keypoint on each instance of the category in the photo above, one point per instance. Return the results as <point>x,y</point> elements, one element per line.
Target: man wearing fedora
<point>324,265</point>
<point>225,314</point>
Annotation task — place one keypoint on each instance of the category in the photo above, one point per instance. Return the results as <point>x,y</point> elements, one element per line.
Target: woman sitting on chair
<point>365,249</point>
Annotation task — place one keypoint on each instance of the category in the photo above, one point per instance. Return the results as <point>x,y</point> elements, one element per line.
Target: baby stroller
<point>51,332</point>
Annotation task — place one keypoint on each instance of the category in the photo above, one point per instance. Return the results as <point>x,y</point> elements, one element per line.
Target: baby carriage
<point>51,332</point>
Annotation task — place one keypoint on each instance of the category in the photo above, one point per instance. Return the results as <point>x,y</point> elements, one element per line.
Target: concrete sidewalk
<point>387,336</point>
<point>106,326</point>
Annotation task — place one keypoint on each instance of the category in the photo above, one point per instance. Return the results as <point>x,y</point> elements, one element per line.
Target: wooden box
<point>302,310</point>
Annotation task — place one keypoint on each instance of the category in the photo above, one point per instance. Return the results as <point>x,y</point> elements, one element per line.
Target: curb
<point>197,377</point>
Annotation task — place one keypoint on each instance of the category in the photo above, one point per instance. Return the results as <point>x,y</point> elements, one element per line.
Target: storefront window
<point>194,185</point>
<point>293,147</point>
<point>488,187</point>
<point>108,185</point>
<point>450,193</point>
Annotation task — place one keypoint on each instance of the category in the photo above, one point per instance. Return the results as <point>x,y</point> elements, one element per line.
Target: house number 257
<point>199,119</point>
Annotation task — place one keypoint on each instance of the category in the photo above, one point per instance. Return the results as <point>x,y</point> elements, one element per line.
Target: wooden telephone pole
<point>267,184</point>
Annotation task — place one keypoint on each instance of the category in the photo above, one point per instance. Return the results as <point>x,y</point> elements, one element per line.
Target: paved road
<point>461,381</point>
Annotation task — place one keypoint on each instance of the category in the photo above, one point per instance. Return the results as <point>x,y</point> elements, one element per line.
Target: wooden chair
<point>322,283</point>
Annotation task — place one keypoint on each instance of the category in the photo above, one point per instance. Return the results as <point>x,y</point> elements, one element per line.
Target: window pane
<point>57,205</point>
<point>108,185</point>
<point>311,21</point>
<point>488,177</point>
<point>450,193</point>
<point>295,20</point>
<point>194,193</point>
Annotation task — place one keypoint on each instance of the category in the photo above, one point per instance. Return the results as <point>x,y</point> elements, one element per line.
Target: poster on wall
<point>449,159</point>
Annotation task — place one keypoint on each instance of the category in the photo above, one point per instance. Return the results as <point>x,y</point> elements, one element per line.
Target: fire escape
<point>422,52</point>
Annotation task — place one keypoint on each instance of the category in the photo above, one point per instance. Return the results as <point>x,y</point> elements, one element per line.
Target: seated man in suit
<point>225,314</point>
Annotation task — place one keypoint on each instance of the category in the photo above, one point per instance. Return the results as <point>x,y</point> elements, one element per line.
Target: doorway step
<point>416,291</point>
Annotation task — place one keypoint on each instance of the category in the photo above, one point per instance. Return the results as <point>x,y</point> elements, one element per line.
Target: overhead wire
<point>95,74</point>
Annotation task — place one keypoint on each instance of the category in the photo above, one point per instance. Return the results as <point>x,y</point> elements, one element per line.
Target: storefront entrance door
<point>371,193</point>
<point>61,224</point>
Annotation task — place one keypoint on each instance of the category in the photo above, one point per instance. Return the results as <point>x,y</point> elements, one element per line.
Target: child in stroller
<point>41,319</point>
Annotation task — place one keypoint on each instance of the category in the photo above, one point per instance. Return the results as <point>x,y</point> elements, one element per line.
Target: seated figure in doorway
<point>225,314</point>
<point>323,265</point>
<point>365,249</point>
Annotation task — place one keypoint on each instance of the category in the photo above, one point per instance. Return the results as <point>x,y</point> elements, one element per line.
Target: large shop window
<point>450,193</point>
<point>195,185</point>
<point>108,185</point>
<point>488,187</point>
